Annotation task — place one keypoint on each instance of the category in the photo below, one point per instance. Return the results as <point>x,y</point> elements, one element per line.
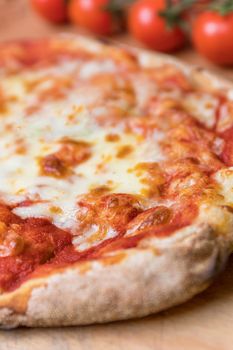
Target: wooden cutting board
<point>204,323</point>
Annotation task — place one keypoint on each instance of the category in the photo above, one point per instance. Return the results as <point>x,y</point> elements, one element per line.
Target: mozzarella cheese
<point>24,138</point>
<point>75,100</point>
<point>202,106</point>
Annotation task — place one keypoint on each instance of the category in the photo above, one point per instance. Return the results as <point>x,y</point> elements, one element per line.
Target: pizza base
<point>151,278</point>
<point>156,275</point>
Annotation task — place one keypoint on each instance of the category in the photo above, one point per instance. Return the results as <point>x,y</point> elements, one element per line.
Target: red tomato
<point>52,10</point>
<point>92,15</point>
<point>146,25</point>
<point>212,35</point>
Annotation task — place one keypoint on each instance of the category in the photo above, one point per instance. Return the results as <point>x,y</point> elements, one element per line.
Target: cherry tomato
<point>52,10</point>
<point>91,14</point>
<point>212,35</point>
<point>146,25</point>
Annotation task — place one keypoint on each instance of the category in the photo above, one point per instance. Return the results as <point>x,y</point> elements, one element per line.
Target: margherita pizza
<point>116,195</point>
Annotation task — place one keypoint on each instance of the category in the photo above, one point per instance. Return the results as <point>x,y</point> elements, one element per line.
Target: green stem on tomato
<point>173,13</point>
<point>117,6</point>
<point>168,4</point>
<point>223,7</point>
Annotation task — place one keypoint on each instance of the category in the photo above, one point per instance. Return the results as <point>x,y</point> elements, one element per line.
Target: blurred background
<point>31,18</point>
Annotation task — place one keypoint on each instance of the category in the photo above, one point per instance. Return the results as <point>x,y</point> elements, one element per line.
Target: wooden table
<point>204,323</point>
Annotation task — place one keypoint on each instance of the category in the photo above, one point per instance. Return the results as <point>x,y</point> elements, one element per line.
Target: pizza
<point>116,181</point>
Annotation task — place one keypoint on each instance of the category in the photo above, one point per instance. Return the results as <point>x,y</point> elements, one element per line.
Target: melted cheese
<point>38,135</point>
<point>225,179</point>
<point>202,106</point>
<point>42,107</point>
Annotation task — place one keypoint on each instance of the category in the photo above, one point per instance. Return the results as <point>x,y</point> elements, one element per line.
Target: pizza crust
<point>199,76</point>
<point>157,275</point>
<point>160,273</point>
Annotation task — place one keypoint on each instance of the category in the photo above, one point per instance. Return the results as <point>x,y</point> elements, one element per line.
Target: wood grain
<point>204,323</point>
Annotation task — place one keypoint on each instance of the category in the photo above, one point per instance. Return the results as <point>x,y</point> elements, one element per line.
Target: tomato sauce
<point>43,248</point>
<point>40,53</point>
<point>41,242</point>
<point>227,153</point>
<point>47,247</point>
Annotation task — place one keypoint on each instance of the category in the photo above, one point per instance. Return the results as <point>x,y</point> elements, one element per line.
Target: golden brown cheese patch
<point>5,101</point>
<point>124,151</point>
<point>112,137</point>
<point>111,210</point>
<point>20,146</point>
<point>70,154</point>
<point>150,218</point>
<point>51,165</point>
<point>73,152</point>
<point>152,176</point>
